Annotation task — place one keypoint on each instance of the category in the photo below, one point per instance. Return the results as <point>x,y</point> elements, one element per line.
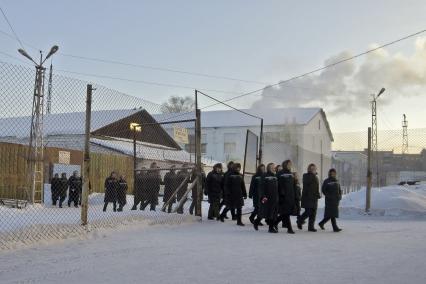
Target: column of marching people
<point>276,191</point>
<point>277,195</point>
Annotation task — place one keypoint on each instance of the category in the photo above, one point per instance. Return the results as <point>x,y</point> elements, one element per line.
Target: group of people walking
<point>60,186</point>
<point>115,192</point>
<point>277,195</point>
<point>176,186</point>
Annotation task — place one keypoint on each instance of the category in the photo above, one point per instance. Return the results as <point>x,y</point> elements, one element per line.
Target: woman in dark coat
<point>153,184</point>
<point>63,188</point>
<point>139,192</point>
<point>268,196</point>
<point>235,193</point>
<point>75,184</point>
<point>183,176</point>
<point>214,187</point>
<point>55,187</point>
<point>333,194</point>
<point>111,187</point>
<point>194,189</point>
<point>229,167</point>
<point>287,189</point>
<point>122,193</point>
<point>310,196</point>
<point>254,191</point>
<point>170,185</point>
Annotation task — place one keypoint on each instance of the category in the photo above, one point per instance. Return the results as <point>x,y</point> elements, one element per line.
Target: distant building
<point>300,134</point>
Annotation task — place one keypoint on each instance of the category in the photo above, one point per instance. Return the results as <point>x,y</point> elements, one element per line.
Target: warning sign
<point>181,135</point>
<point>64,157</point>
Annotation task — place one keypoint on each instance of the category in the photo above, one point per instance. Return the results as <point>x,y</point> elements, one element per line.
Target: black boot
<point>239,222</point>
<point>321,225</point>
<point>272,229</point>
<point>334,224</point>
<point>105,207</point>
<point>251,218</point>
<point>299,224</point>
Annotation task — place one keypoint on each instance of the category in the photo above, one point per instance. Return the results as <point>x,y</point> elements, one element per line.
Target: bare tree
<point>178,104</point>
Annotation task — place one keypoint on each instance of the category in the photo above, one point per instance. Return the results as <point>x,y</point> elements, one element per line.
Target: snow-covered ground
<point>387,246</point>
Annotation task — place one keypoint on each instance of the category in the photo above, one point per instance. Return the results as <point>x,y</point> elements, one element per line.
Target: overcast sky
<point>262,41</point>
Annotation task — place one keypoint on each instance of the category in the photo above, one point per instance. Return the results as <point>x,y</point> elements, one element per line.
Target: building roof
<point>111,123</point>
<point>233,118</point>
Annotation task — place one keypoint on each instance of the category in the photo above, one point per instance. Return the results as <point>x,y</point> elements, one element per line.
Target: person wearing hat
<point>333,194</point>
<point>214,188</point>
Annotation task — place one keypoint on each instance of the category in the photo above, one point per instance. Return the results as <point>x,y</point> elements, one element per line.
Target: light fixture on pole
<point>135,128</point>
<point>374,147</point>
<point>35,156</point>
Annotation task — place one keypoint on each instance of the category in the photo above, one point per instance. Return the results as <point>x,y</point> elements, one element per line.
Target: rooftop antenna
<point>404,134</point>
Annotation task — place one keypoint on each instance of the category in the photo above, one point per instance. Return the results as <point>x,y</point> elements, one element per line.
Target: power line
<point>146,82</point>
<point>321,68</point>
<point>11,27</point>
<point>161,69</point>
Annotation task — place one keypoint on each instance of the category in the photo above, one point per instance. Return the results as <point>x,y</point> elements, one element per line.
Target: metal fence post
<point>368,191</point>
<point>86,164</point>
<point>198,210</point>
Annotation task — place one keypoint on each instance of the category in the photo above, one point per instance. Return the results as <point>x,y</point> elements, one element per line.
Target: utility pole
<point>86,164</point>
<point>261,143</point>
<point>49,91</point>
<point>35,158</point>
<point>369,175</point>
<point>198,211</point>
<point>404,135</point>
<point>374,146</point>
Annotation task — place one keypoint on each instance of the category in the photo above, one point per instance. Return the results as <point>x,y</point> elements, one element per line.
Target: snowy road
<point>367,251</point>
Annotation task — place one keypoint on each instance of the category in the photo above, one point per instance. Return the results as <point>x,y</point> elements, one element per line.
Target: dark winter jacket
<point>171,183</point>
<point>269,189</point>
<point>254,189</point>
<point>298,199</point>
<point>287,193</point>
<point>214,186</point>
<point>111,188</point>
<point>75,184</point>
<point>122,192</point>
<point>333,195</point>
<point>235,190</point>
<point>182,175</point>
<point>55,186</point>
<point>140,191</point>
<point>203,183</point>
<point>63,187</point>
<point>310,193</point>
<point>153,184</point>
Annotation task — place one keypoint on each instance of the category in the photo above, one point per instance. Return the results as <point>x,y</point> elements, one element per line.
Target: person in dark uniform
<point>297,207</point>
<point>235,193</point>
<point>310,196</point>
<point>170,186</point>
<point>112,186</point>
<point>139,192</point>
<point>333,194</point>
<point>287,195</point>
<point>213,190</point>
<point>55,187</point>
<point>268,199</point>
<point>63,188</point>
<point>194,194</point>
<point>122,193</point>
<point>75,184</point>
<point>225,176</point>
<point>254,191</point>
<point>153,184</point>
<point>183,176</point>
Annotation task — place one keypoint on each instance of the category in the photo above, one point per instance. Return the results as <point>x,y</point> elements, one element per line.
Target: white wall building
<point>300,134</point>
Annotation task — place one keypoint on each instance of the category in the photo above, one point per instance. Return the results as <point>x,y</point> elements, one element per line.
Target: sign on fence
<point>64,157</point>
<point>181,134</point>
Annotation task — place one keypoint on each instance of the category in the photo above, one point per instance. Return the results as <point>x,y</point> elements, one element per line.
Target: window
<point>190,148</point>
<point>230,143</point>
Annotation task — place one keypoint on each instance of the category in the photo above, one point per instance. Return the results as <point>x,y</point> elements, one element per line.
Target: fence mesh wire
<point>161,187</point>
<point>161,148</point>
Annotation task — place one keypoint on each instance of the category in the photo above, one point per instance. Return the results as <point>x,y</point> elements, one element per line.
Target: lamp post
<point>135,127</point>
<point>35,150</point>
<point>374,146</point>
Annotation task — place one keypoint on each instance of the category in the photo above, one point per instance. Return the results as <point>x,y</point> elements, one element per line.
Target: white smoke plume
<point>349,85</point>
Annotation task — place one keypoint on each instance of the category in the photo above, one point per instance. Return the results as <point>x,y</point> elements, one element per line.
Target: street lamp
<point>374,146</point>
<point>135,127</point>
<point>35,149</point>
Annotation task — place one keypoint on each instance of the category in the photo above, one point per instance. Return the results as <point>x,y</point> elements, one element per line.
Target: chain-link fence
<point>141,161</point>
